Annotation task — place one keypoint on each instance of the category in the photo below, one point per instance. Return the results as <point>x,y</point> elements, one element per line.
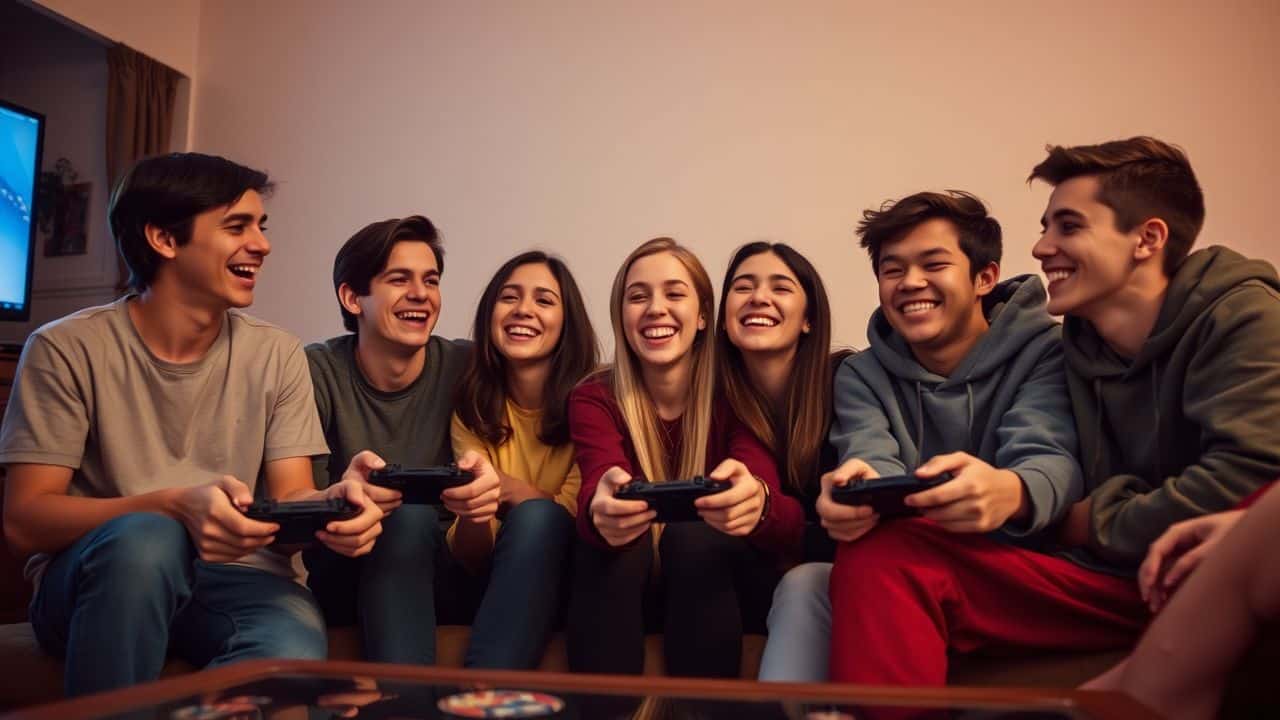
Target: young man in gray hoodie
<point>964,376</point>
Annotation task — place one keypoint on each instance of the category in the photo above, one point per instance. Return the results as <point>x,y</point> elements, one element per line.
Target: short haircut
<point>1139,179</point>
<point>365,255</point>
<point>168,192</point>
<point>980,236</point>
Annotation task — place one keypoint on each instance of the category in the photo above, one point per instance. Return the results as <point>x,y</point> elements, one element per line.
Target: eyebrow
<point>537,288</point>
<point>774,277</point>
<point>665,283</point>
<point>238,218</point>
<point>1059,214</point>
<point>932,252</point>
<point>408,271</point>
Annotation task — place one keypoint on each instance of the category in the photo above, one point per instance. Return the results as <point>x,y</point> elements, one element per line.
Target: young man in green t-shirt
<point>388,386</point>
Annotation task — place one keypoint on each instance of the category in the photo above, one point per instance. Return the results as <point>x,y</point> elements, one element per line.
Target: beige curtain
<point>141,94</point>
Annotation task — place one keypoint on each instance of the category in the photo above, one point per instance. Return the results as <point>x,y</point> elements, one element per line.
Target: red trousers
<point>908,592</point>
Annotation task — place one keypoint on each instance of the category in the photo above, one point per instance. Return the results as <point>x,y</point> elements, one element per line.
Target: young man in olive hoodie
<point>1173,359</point>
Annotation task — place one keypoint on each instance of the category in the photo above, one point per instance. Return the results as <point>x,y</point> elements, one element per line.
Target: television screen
<point>21,138</point>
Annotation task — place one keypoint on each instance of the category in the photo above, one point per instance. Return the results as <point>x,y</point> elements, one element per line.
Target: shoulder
<point>260,334</point>
<point>452,355</point>
<point>330,353</point>
<point>92,325</point>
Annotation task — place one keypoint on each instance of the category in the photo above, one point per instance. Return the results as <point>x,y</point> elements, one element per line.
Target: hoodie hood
<point>1016,312</point>
<point>1203,278</point>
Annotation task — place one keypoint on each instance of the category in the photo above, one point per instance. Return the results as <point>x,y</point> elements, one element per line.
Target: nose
<point>913,278</point>
<point>417,289</point>
<point>1044,248</point>
<point>759,296</point>
<point>524,308</point>
<point>657,307</point>
<point>258,243</point>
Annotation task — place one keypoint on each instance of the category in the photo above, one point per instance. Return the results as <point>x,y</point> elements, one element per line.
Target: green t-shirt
<point>409,426</point>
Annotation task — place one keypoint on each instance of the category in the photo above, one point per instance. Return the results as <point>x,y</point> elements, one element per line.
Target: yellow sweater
<point>549,469</point>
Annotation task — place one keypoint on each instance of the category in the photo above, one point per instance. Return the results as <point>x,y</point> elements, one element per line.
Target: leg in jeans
<point>799,643</point>
<point>243,613</point>
<point>909,591</point>
<point>705,576</point>
<point>530,555</point>
<point>605,627</point>
<point>396,600</point>
<point>107,602</point>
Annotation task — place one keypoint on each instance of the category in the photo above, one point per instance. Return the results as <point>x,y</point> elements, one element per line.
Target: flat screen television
<point>21,142</point>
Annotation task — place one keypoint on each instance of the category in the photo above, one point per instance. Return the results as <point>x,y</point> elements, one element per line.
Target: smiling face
<point>228,246</point>
<point>765,306</point>
<point>528,316</point>
<point>927,291</point>
<point>1085,259</point>
<point>661,316</point>
<point>403,303</point>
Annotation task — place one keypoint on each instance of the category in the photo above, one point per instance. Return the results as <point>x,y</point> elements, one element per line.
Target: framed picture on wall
<point>70,232</point>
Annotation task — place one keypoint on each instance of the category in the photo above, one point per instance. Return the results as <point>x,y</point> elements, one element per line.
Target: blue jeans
<point>115,601</point>
<point>390,592</point>
<point>526,587</point>
<point>799,645</point>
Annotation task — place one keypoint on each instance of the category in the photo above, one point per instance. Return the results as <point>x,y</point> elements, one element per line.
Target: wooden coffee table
<point>275,689</point>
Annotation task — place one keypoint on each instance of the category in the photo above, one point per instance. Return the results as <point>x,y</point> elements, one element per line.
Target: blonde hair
<point>634,401</point>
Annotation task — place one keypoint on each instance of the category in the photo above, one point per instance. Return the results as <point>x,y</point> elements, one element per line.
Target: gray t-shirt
<point>90,396</point>
<point>409,426</point>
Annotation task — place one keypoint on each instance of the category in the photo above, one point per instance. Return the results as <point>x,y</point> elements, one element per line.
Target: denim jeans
<point>390,592</point>
<point>117,600</point>
<point>526,587</point>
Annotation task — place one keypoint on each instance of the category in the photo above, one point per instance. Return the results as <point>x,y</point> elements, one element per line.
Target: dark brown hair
<point>365,255</point>
<point>1139,179</point>
<point>482,392</point>
<point>796,432</point>
<point>168,192</point>
<point>980,236</point>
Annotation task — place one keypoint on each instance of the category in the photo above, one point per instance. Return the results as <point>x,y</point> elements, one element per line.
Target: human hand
<point>358,470</point>
<point>618,521</point>
<point>977,499</point>
<point>213,514</point>
<point>846,523</point>
<point>354,536</point>
<point>477,501</point>
<point>1178,551</point>
<point>735,511</point>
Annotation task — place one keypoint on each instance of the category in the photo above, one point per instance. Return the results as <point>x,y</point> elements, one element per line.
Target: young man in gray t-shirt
<point>138,431</point>
<point>388,386</point>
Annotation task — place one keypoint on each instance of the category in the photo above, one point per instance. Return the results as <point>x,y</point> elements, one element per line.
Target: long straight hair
<point>795,432</point>
<point>483,391</point>
<point>633,398</point>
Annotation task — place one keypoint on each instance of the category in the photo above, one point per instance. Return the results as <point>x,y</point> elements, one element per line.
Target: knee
<point>696,547</point>
<point>139,546</point>
<point>884,555</point>
<point>410,532</point>
<point>297,631</point>
<point>537,524</point>
<point>803,589</point>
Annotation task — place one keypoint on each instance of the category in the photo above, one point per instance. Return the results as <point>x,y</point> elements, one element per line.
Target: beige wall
<point>163,29</point>
<point>586,127</point>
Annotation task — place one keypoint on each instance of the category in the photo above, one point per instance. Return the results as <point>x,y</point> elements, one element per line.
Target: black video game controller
<point>421,486</point>
<point>885,495</point>
<point>299,520</point>
<point>673,500</point>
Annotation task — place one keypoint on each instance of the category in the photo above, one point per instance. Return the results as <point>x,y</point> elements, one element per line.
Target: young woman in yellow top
<point>533,343</point>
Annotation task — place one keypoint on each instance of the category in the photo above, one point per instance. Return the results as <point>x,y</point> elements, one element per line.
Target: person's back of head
<point>168,192</point>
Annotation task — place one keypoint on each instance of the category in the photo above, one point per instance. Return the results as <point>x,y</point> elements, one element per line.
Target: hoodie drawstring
<point>919,424</point>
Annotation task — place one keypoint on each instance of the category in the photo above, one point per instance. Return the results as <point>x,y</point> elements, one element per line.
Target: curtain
<point>141,94</point>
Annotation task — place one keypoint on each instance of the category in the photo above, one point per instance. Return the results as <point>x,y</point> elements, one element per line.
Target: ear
<point>986,279</point>
<point>804,329</point>
<point>1152,236</point>
<point>702,321</point>
<point>161,241</point>
<point>349,299</point>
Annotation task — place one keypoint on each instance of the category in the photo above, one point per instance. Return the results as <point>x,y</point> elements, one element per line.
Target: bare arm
<point>39,515</point>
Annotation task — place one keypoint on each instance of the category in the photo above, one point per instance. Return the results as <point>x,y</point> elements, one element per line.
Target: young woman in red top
<point>653,415</point>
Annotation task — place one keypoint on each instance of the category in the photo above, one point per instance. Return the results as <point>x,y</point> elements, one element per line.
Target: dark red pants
<point>908,592</point>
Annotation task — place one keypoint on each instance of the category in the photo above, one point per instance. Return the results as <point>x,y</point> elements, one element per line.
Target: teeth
<point>247,269</point>
<point>761,321</point>
<point>1055,275</point>
<point>411,315</point>
<point>919,306</point>
<point>656,333</point>
<point>519,330</point>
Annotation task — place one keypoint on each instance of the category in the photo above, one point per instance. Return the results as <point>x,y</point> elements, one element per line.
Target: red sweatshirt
<point>601,441</point>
